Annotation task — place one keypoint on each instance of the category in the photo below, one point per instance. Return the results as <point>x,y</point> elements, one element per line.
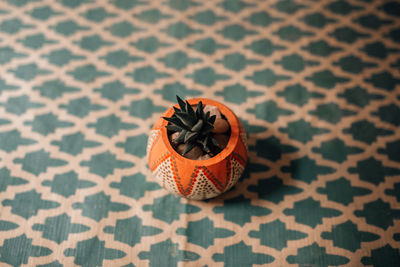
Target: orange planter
<point>197,179</point>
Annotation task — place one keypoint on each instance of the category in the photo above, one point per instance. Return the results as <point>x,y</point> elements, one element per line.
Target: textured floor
<point>316,83</point>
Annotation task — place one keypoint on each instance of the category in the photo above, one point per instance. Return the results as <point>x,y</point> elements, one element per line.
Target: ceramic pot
<point>197,179</point>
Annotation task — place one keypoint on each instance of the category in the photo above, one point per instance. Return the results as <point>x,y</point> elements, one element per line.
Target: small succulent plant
<point>194,128</point>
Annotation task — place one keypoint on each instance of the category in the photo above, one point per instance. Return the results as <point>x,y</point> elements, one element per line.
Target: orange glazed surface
<point>218,170</point>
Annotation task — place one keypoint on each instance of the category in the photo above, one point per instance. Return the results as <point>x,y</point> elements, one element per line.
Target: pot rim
<point>233,138</point>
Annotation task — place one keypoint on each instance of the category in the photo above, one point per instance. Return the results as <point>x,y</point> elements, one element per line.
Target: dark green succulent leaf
<point>175,120</point>
<point>206,130</point>
<point>190,110</point>
<point>176,109</point>
<point>190,136</point>
<point>199,110</point>
<point>214,142</point>
<point>208,125</point>
<point>201,142</point>
<point>181,137</point>
<point>189,147</point>
<point>194,127</point>
<point>197,127</point>
<point>205,148</point>
<point>172,119</point>
<point>208,139</point>
<point>185,119</point>
<point>212,119</point>
<point>207,116</point>
<point>181,103</point>
<point>174,128</point>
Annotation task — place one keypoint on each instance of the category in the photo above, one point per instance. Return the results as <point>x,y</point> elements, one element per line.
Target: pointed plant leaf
<point>185,119</point>
<point>198,115</point>
<point>190,136</point>
<point>212,119</point>
<point>207,116</point>
<point>176,121</point>
<point>171,119</point>
<point>201,142</point>
<point>207,125</point>
<point>207,131</point>
<point>206,149</point>
<point>189,147</point>
<point>207,143</point>
<point>181,137</point>
<point>197,127</point>
<point>199,110</point>
<point>190,110</point>
<point>214,142</point>
<point>174,128</point>
<point>181,103</point>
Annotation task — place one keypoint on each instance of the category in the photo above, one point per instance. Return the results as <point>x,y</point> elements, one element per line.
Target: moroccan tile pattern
<point>316,84</point>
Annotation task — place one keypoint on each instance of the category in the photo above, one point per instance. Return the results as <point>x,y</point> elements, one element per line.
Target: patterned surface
<point>315,82</point>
